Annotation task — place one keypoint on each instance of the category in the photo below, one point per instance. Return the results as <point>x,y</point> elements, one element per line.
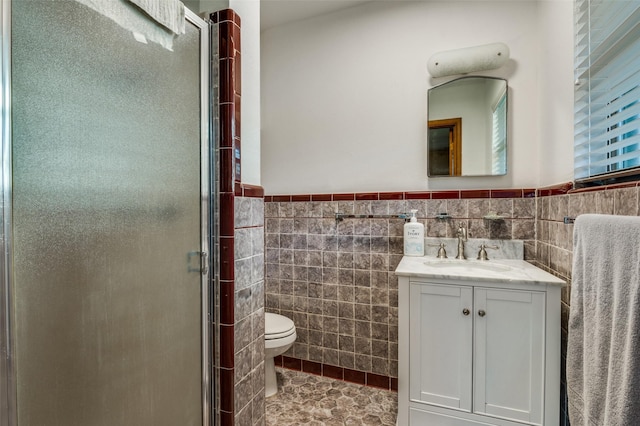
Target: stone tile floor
<point>307,399</point>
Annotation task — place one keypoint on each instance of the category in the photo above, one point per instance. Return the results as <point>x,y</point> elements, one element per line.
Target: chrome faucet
<point>462,237</point>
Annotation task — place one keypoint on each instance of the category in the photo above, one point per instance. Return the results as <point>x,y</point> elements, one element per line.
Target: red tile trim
<point>237,171</point>
<point>226,45</point>
<point>218,16</point>
<point>417,195</point>
<point>227,125</point>
<point>476,193</point>
<point>227,259</point>
<point>445,195</point>
<point>344,197</point>
<point>237,128</point>
<point>560,189</point>
<point>588,189</point>
<point>226,418</point>
<point>237,80</point>
<point>312,367</point>
<point>334,372</point>
<point>435,195</point>
<point>226,382</point>
<point>227,161</point>
<point>605,187</point>
<point>227,81</point>
<point>227,310</point>
<point>252,191</point>
<point>383,196</point>
<point>236,36</point>
<point>292,363</point>
<point>624,185</point>
<point>227,208</point>
<point>378,381</point>
<point>353,376</point>
<point>225,15</point>
<point>506,193</point>
<point>282,198</point>
<point>230,186</point>
<point>226,347</point>
<point>367,196</point>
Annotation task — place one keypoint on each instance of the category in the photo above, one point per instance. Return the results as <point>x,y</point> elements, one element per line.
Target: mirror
<point>468,127</point>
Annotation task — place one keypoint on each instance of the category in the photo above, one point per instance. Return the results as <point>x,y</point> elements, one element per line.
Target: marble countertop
<point>502,270</point>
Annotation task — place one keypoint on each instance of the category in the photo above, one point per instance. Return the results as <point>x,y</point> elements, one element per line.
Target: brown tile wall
<point>249,311</point>
<point>554,242</point>
<point>336,280</point>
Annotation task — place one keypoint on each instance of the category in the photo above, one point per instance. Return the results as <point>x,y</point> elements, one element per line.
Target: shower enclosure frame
<point>8,385</point>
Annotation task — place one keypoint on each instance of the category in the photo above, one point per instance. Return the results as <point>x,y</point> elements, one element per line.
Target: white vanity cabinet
<point>482,349</point>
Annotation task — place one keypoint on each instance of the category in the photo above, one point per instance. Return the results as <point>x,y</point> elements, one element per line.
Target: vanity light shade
<point>469,59</point>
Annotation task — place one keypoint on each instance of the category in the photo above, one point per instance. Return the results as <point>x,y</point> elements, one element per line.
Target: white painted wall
<point>556,92</point>
<point>344,96</point>
<point>249,12</point>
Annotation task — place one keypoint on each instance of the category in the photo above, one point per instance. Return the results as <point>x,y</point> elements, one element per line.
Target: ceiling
<point>278,12</point>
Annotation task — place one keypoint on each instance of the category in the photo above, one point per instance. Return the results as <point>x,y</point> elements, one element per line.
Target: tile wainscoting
<point>554,242</point>
<point>335,278</point>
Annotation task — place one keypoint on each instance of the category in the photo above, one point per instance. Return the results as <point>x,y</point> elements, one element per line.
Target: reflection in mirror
<point>468,127</point>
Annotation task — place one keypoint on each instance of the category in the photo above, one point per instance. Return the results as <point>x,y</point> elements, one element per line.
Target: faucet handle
<point>482,254</point>
<point>462,231</point>
<point>442,253</point>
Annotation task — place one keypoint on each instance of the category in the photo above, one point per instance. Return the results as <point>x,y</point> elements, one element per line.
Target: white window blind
<point>607,95</point>
<point>499,141</point>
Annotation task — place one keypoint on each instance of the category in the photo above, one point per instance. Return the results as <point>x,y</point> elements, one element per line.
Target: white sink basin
<point>468,266</point>
<point>491,271</point>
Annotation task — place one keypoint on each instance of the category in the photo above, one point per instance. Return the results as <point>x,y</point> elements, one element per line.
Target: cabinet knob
<point>466,311</point>
<point>482,313</point>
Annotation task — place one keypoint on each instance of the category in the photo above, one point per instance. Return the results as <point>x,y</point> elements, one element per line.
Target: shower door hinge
<point>202,257</point>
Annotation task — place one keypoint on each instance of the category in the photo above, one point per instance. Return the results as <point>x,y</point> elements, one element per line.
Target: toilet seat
<point>277,326</point>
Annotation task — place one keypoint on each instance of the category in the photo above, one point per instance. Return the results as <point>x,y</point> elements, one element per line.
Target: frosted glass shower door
<point>106,230</point>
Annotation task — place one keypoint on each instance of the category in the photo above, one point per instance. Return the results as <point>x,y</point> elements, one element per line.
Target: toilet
<point>279,335</point>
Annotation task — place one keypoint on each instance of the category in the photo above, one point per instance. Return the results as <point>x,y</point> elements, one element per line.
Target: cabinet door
<point>440,347</point>
<point>509,354</point>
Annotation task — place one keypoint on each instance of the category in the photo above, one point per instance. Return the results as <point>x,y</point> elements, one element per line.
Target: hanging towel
<point>168,13</point>
<point>129,16</point>
<point>603,354</point>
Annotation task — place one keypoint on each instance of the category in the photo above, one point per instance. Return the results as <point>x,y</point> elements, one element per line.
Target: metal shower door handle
<point>202,258</point>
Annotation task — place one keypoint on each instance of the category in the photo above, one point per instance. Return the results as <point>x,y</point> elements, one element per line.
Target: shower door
<point>108,225</point>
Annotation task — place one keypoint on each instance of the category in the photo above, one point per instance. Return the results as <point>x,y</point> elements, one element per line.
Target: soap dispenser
<point>413,236</point>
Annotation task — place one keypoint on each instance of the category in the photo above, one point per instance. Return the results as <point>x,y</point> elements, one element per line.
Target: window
<point>607,95</point>
<point>499,139</point>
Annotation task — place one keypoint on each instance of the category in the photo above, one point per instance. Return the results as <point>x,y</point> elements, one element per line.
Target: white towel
<point>169,13</point>
<point>603,354</point>
<point>129,16</point>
